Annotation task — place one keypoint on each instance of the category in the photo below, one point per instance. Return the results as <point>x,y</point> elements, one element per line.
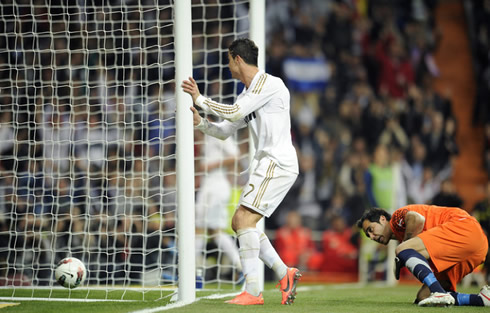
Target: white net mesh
<point>87,136</point>
<point>214,28</point>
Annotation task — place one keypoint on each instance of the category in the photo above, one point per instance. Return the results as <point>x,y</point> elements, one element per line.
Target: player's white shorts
<point>267,186</point>
<point>212,203</point>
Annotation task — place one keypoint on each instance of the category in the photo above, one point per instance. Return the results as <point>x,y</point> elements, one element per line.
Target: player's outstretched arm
<point>220,130</point>
<point>190,87</point>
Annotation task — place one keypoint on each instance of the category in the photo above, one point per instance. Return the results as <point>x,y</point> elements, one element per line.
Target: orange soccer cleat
<point>247,299</point>
<point>287,285</point>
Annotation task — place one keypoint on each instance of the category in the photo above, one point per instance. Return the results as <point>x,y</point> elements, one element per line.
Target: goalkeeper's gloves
<point>398,267</point>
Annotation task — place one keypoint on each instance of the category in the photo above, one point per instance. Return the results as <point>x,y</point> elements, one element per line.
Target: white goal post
<point>185,154</point>
<point>97,157</point>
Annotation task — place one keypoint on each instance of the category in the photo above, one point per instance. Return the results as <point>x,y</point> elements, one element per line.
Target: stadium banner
<point>306,74</point>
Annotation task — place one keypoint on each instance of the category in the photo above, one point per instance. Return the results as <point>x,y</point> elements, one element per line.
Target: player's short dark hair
<point>246,49</point>
<point>373,215</point>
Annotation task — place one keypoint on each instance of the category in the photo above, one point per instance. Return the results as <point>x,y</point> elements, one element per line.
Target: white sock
<point>270,257</point>
<point>200,246</point>
<point>226,244</point>
<point>249,255</point>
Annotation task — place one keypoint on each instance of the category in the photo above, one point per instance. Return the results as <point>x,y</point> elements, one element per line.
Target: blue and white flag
<point>304,74</point>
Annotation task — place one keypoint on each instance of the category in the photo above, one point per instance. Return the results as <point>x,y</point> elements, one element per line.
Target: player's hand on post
<point>190,87</point>
<point>196,118</point>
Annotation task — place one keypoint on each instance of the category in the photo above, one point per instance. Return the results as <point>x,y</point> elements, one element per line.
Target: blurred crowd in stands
<point>479,29</point>
<point>369,128</point>
<point>85,114</point>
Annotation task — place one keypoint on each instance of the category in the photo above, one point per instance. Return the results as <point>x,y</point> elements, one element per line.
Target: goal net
<point>88,142</point>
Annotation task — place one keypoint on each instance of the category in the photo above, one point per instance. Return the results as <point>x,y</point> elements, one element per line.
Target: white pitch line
<point>212,297</point>
<point>166,307</point>
<point>309,288</point>
<point>181,304</point>
<point>220,296</point>
<point>63,299</point>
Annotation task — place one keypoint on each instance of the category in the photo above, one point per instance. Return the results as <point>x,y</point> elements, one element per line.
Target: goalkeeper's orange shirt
<point>434,216</point>
<point>454,239</point>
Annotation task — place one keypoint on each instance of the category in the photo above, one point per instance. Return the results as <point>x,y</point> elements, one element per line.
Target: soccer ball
<point>70,272</point>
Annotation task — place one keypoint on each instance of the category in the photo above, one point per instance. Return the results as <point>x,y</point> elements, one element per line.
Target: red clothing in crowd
<point>396,71</point>
<point>294,246</point>
<point>339,254</point>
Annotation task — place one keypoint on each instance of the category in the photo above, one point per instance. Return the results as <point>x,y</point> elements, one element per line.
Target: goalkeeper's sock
<point>463,299</point>
<point>270,257</point>
<point>248,239</point>
<point>226,244</point>
<point>420,268</point>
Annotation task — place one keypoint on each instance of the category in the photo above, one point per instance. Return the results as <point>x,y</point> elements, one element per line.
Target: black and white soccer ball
<point>70,272</point>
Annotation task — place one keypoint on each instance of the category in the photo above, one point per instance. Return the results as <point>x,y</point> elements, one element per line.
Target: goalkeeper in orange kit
<point>438,245</point>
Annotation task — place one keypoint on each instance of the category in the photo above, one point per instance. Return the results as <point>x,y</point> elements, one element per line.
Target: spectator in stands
<point>294,243</point>
<point>338,249</point>
<point>69,234</point>
<point>90,140</point>
<point>327,165</point>
<point>394,135</point>
<point>413,113</point>
<point>308,205</point>
<point>29,233</point>
<point>336,207</point>
<point>33,186</point>
<point>337,24</point>
<point>373,122</point>
<point>413,165</point>
<point>486,149</point>
<point>351,181</point>
<point>56,137</point>
<point>426,187</point>
<point>481,211</point>
<point>480,32</point>
<point>383,181</point>
<point>439,141</point>
<point>350,114</point>
<point>396,71</point>
<point>346,176</point>
<point>448,195</point>
<point>63,196</point>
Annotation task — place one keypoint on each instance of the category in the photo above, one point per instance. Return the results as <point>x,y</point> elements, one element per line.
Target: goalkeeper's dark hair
<point>373,215</point>
<point>246,49</point>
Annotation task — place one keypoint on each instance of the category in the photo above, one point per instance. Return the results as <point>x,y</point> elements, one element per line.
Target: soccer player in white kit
<point>264,107</point>
<point>213,198</point>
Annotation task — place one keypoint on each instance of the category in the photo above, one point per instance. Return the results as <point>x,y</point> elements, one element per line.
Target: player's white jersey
<point>215,190</point>
<point>264,107</point>
<point>216,150</point>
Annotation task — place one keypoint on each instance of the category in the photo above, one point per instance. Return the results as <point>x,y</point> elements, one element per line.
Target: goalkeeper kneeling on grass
<point>439,246</point>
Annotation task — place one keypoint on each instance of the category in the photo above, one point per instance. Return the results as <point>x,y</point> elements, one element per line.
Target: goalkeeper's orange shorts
<point>456,248</point>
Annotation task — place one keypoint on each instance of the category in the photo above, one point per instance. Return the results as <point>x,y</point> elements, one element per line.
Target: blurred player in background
<point>213,198</point>
<point>263,106</point>
<point>439,246</point>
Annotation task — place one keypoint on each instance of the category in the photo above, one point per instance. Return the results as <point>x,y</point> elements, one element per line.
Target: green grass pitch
<point>347,298</point>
